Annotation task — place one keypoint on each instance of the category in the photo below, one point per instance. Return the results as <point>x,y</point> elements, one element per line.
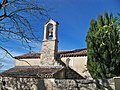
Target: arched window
<point>67,62</point>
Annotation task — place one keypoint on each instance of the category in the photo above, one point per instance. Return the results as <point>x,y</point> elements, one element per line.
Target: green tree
<point>111,18</point>
<point>100,21</point>
<point>106,18</point>
<point>103,47</point>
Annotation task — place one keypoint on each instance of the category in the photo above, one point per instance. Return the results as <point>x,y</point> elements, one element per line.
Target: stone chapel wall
<point>32,62</point>
<point>78,64</point>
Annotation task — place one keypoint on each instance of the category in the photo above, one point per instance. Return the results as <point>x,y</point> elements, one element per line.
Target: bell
<point>50,32</point>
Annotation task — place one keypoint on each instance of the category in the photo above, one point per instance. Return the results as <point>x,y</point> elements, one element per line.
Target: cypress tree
<point>100,21</point>
<point>103,48</point>
<point>111,18</point>
<point>106,18</point>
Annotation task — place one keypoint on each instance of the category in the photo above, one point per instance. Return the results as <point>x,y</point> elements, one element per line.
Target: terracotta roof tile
<point>73,53</point>
<point>34,71</point>
<point>68,53</point>
<point>28,55</point>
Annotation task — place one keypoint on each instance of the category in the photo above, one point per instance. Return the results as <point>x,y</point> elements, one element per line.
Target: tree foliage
<point>103,47</point>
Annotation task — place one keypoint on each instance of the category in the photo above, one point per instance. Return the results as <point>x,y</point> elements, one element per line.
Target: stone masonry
<point>49,44</point>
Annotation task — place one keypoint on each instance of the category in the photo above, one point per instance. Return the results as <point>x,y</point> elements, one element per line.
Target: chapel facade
<point>51,56</point>
<point>50,62</point>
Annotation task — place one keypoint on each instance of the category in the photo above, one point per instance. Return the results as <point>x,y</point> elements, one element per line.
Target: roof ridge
<point>73,50</point>
<point>64,53</point>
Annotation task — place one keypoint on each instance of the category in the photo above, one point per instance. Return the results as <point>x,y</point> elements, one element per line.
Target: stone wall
<point>57,84</point>
<point>33,62</point>
<point>48,53</point>
<point>71,74</point>
<point>20,83</point>
<point>80,84</point>
<point>75,84</point>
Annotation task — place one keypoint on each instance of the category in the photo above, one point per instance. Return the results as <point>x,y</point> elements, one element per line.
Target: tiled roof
<point>73,53</point>
<point>34,71</point>
<point>28,55</point>
<point>68,53</point>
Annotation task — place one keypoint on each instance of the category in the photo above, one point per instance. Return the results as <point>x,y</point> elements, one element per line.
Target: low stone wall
<point>19,83</point>
<point>75,84</point>
<point>85,84</point>
<point>57,84</point>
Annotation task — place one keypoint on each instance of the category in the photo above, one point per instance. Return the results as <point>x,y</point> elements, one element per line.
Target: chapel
<point>51,62</point>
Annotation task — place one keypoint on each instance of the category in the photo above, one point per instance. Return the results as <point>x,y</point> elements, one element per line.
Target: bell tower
<point>49,44</point>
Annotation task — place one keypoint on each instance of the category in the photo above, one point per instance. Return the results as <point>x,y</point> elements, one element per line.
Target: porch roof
<point>33,72</point>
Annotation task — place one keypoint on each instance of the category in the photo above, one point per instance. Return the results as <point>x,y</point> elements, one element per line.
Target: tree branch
<point>13,56</point>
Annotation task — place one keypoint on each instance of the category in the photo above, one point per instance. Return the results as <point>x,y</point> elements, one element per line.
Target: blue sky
<point>74,18</point>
